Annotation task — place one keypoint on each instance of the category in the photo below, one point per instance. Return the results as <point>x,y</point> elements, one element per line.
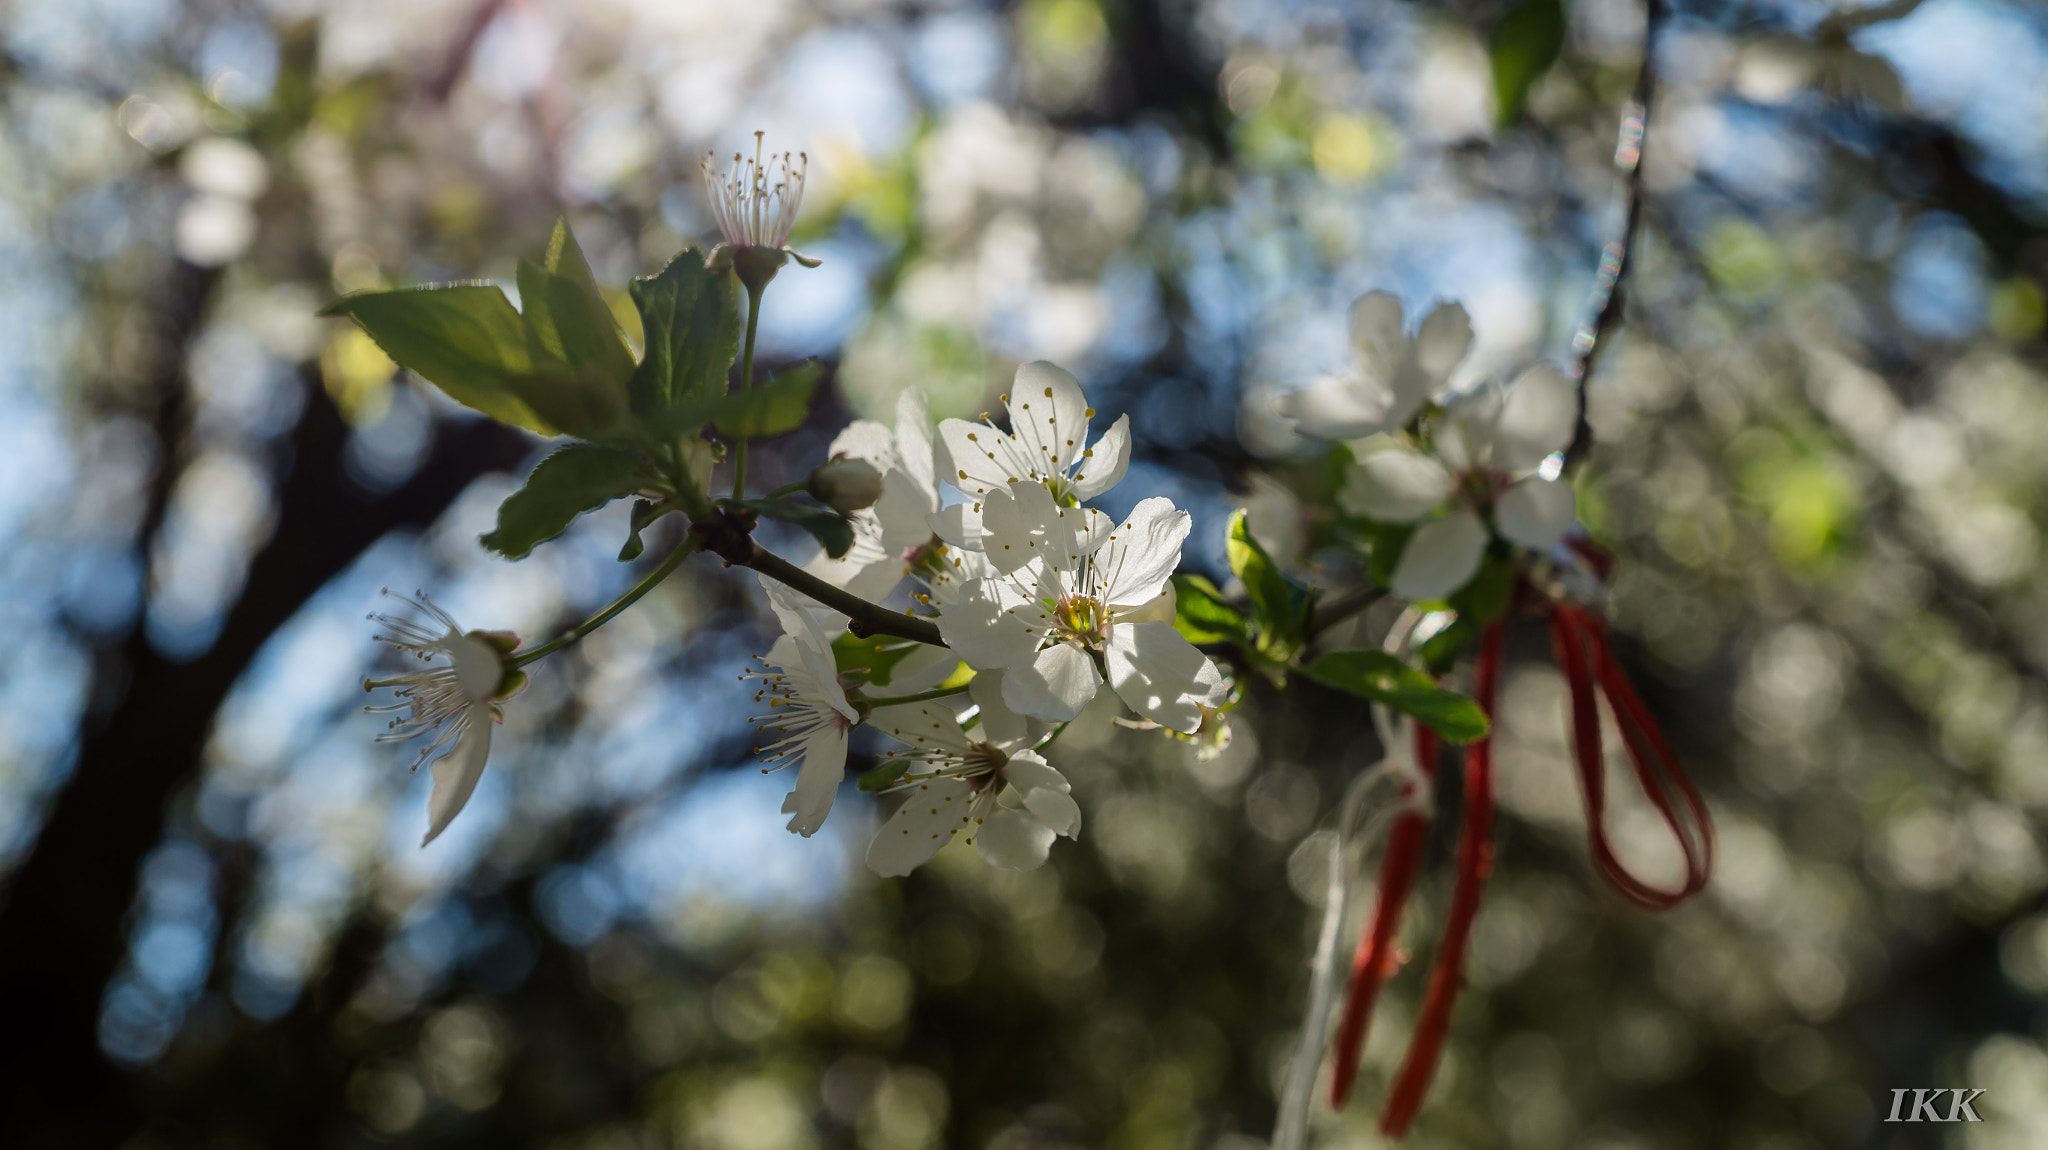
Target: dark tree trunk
<point>62,931</point>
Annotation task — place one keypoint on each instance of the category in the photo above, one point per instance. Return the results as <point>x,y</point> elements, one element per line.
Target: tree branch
<point>1605,304</point>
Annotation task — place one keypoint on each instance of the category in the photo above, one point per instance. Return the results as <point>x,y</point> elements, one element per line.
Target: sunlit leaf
<point>689,316</point>
<point>568,314</point>
<point>1202,615</point>
<point>1280,606</point>
<point>578,478</point>
<point>465,339</point>
<point>1525,45</point>
<point>1382,678</point>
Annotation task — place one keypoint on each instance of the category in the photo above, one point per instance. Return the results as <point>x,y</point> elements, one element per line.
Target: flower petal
<point>1158,674</point>
<point>1021,522</point>
<point>1535,512</point>
<point>1026,770</point>
<point>1141,554</point>
<point>931,814</point>
<point>1445,337</point>
<point>958,524</point>
<point>984,632</point>
<point>1014,839</point>
<point>1376,340</point>
<point>1537,418</point>
<point>456,773</point>
<point>1396,485</point>
<point>1049,417</point>
<point>902,513</point>
<point>865,440</point>
<point>1054,686</point>
<point>983,458</point>
<point>914,442</point>
<point>1465,437</point>
<point>1441,557</point>
<point>1340,407</point>
<point>1105,461</point>
<point>922,726</point>
<point>1001,727</point>
<point>1056,809</point>
<point>817,780</point>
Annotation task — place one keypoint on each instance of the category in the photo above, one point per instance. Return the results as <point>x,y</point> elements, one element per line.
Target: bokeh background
<point>1820,457</point>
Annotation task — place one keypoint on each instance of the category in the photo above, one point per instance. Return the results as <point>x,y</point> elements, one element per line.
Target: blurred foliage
<point>1817,453</point>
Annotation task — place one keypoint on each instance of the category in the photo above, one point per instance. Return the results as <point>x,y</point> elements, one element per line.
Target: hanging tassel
<point>1475,862</point>
<point>1579,639</point>
<point>1376,958</point>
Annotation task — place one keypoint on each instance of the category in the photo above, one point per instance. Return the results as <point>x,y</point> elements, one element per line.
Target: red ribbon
<point>1475,862</point>
<point>1376,959</point>
<point>1585,654</point>
<point>1580,641</point>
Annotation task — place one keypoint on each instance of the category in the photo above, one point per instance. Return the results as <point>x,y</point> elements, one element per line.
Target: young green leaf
<point>1525,45</point>
<point>572,321</point>
<point>884,776</point>
<point>691,317</point>
<point>777,407</point>
<point>1202,615</point>
<point>833,530</point>
<point>1280,606</point>
<point>878,654</point>
<point>464,338</point>
<point>1380,677</point>
<point>578,478</point>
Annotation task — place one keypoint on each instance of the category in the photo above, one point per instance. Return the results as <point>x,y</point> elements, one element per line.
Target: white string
<point>1361,826</point>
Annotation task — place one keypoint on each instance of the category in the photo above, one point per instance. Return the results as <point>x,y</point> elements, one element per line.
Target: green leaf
<point>1202,615</point>
<point>690,316</point>
<point>1280,606</point>
<point>1388,541</point>
<point>645,512</point>
<point>830,528</point>
<point>465,339</point>
<point>578,478</point>
<point>878,654</point>
<point>1440,650</point>
<point>886,775</point>
<point>1525,45</point>
<point>777,407</point>
<point>1380,677</point>
<point>563,305</point>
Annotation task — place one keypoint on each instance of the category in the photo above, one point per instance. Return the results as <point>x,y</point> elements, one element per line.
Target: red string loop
<point>1579,639</point>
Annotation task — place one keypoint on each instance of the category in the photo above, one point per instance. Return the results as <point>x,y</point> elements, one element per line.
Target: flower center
<point>983,765</point>
<point>927,560</point>
<point>1082,619</point>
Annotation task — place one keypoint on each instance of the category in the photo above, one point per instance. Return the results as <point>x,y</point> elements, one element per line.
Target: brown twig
<point>730,537</point>
<point>1605,304</point>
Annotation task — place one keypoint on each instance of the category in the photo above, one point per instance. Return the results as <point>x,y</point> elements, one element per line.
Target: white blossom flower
<point>1073,601</point>
<point>990,784</point>
<point>809,715</point>
<point>755,201</point>
<point>1489,461</point>
<point>1393,374</point>
<point>456,701</point>
<point>894,537</point>
<point>1047,443</point>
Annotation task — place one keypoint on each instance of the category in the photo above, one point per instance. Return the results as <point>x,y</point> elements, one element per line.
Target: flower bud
<point>846,485</point>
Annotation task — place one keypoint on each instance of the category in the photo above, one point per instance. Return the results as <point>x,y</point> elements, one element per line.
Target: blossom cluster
<point>1463,467</point>
<point>1041,599</point>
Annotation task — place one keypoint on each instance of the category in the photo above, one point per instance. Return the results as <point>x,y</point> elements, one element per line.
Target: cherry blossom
<point>1393,374</point>
<point>455,701</point>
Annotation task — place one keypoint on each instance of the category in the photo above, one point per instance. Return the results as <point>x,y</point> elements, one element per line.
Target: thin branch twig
<point>1604,307</point>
